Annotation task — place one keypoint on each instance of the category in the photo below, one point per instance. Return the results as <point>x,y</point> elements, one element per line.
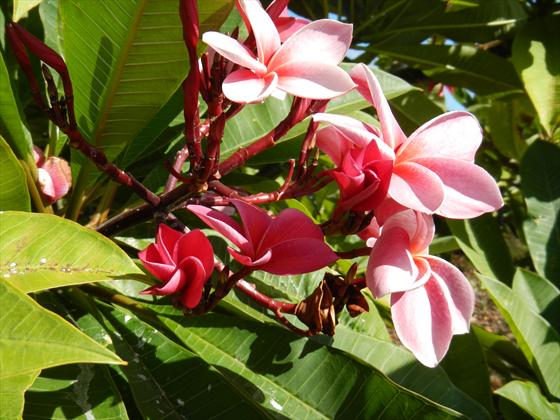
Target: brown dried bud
<point>317,311</point>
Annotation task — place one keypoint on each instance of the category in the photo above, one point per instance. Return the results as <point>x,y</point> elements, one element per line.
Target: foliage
<point>79,340</point>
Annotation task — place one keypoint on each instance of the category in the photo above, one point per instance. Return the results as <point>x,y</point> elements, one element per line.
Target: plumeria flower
<point>289,243</point>
<point>305,65</point>
<point>431,300</point>
<point>363,162</point>
<point>183,262</point>
<point>434,170</point>
<point>54,176</point>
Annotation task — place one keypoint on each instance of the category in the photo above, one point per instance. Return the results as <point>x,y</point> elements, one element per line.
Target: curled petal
<point>423,322</point>
<point>454,135</point>
<point>322,41</point>
<point>458,292</point>
<point>195,244</point>
<point>419,227</point>
<point>46,185</point>
<point>174,285</point>
<point>391,267</point>
<point>220,223</point>
<point>299,256</point>
<point>196,276</point>
<point>264,30</point>
<point>334,143</point>
<point>61,176</point>
<point>156,264</point>
<point>166,240</point>
<point>257,261</point>
<point>369,88</point>
<point>245,87</point>
<point>469,190</point>
<point>233,51</point>
<point>313,80</point>
<point>416,187</point>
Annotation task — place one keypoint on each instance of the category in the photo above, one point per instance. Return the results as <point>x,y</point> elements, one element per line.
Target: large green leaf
<point>12,390</point>
<point>528,396</point>
<point>540,182</point>
<point>74,391</point>
<point>294,376</point>
<point>365,339</point>
<point>458,65</point>
<point>11,125</point>
<point>42,251</point>
<point>33,338</point>
<point>482,241</point>
<point>14,194</point>
<point>538,340</point>
<point>536,56</point>
<point>126,59</point>
<point>539,294</point>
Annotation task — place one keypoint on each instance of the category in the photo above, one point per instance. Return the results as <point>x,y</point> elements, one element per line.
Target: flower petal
<point>46,185</point>
<point>221,223</point>
<point>195,244</point>
<point>391,267</point>
<point>334,143</point>
<point>174,285</point>
<point>352,129</point>
<point>370,89</point>
<point>416,187</point>
<point>245,87</point>
<point>299,256</point>
<point>233,50</point>
<point>166,241</point>
<point>60,174</point>
<point>195,276</point>
<point>154,262</point>
<point>265,32</point>
<point>313,80</point>
<point>458,291</point>
<point>453,135</point>
<point>469,190</point>
<point>419,227</point>
<point>291,224</point>
<point>248,261</point>
<point>255,221</point>
<point>323,41</point>
<point>422,322</point>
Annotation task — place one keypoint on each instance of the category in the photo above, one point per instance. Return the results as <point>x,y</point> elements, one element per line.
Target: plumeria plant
<point>223,219</point>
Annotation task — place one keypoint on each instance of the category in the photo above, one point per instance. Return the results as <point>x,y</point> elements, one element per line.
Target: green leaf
<point>538,340</point>
<point>458,65</point>
<point>22,8</point>
<point>33,338</point>
<point>528,396</point>
<point>540,182</point>
<point>466,366</point>
<point>539,294</point>
<point>14,194</point>
<point>41,251</point>
<point>482,241</point>
<point>12,390</point>
<point>364,338</point>
<point>295,377</point>
<point>126,59</point>
<point>167,380</point>
<point>48,11</point>
<point>414,109</point>
<point>11,124</point>
<point>74,391</point>
<point>536,57</point>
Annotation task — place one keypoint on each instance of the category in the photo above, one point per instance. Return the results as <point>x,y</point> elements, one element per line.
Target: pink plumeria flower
<point>183,262</point>
<point>434,170</point>
<point>305,65</point>
<point>363,162</point>
<point>431,300</point>
<point>289,243</point>
<point>54,176</point>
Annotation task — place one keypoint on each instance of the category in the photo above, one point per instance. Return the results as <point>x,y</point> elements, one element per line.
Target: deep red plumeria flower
<point>182,261</point>
<point>289,243</point>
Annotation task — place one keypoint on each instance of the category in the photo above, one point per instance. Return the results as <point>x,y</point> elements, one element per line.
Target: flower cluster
<point>401,180</point>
